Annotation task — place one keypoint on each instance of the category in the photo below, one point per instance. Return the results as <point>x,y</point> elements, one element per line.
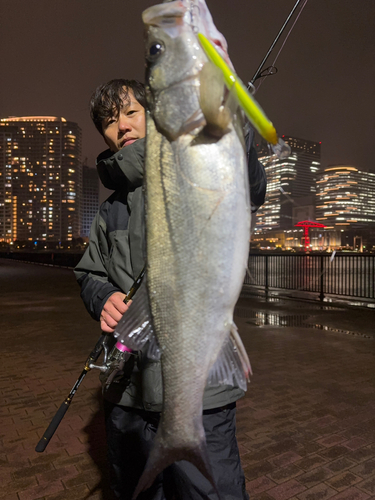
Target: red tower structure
<point>306,224</point>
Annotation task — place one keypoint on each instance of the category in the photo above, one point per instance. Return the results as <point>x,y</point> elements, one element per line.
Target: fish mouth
<point>164,14</point>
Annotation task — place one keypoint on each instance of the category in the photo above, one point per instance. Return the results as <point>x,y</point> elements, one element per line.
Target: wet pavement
<point>351,318</point>
<point>306,426</point>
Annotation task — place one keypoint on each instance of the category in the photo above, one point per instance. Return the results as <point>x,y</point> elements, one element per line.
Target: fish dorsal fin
<point>135,327</point>
<point>232,365</point>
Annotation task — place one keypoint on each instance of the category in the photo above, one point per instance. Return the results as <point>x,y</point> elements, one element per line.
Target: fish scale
<point>172,300</point>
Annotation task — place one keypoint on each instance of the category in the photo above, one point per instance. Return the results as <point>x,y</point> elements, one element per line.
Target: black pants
<point>130,435</point>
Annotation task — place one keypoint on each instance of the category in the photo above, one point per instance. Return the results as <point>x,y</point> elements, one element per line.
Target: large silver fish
<point>198,231</point>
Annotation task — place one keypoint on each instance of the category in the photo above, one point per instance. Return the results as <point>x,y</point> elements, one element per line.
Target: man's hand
<point>112,312</point>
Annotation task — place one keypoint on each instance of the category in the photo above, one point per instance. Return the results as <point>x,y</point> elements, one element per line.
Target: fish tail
<point>162,456</point>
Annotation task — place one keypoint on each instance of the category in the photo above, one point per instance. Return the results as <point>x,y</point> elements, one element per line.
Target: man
<point>113,260</point>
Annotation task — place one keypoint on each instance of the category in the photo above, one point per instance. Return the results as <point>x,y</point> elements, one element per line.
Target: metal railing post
<point>321,296</point>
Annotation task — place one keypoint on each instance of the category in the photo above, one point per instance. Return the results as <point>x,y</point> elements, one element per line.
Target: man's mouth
<point>127,142</point>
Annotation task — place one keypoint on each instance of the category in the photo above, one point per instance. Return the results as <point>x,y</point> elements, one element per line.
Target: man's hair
<point>107,100</point>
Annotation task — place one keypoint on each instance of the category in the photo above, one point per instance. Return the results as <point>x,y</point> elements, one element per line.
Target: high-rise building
<point>345,198</point>
<point>291,184</point>
<point>8,211</point>
<point>40,178</point>
<point>90,198</point>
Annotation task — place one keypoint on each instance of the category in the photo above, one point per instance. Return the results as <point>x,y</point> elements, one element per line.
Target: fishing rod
<point>94,355</point>
<point>271,70</point>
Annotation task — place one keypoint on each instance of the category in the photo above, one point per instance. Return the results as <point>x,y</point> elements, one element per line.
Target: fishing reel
<point>114,361</point>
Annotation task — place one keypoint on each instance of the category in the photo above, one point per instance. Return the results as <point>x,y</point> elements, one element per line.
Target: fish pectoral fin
<point>135,327</point>
<point>232,365</point>
<point>242,354</point>
<point>153,351</point>
<point>217,111</point>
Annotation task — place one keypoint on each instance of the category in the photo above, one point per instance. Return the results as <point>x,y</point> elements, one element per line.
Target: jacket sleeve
<point>257,174</point>
<point>91,271</point>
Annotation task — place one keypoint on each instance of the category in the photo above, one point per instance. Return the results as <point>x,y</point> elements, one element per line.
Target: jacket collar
<point>116,170</point>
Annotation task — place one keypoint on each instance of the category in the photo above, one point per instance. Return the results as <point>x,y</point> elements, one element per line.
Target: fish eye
<point>155,50</point>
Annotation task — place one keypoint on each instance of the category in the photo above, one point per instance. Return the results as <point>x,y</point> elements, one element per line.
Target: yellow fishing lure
<point>251,108</point>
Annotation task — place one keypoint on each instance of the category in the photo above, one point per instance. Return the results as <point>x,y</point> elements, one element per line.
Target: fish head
<point>174,59</point>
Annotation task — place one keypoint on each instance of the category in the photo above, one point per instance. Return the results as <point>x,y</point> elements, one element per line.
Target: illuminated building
<point>90,198</point>
<point>8,209</point>
<point>40,178</point>
<point>345,198</point>
<point>291,185</point>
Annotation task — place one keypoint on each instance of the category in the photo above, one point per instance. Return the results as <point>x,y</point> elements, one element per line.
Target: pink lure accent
<point>122,347</point>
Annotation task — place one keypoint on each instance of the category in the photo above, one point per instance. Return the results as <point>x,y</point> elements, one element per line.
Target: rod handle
<point>51,429</point>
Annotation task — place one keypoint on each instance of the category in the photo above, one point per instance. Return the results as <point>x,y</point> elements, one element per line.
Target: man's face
<point>127,127</point>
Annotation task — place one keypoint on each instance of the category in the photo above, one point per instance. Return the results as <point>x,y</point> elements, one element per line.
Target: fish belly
<point>198,229</point>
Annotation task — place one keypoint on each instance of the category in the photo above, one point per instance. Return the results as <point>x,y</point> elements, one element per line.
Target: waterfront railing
<point>349,275</point>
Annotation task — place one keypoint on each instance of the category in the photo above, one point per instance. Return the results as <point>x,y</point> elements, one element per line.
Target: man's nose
<point>123,124</point>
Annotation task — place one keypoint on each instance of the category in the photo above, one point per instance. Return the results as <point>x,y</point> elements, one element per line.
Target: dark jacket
<point>257,174</point>
<point>112,261</point>
<point>114,256</point>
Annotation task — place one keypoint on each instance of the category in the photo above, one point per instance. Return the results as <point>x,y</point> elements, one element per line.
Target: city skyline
<point>55,56</point>
<point>337,202</point>
<point>47,193</point>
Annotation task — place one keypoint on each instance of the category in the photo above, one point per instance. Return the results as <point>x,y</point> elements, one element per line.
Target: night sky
<point>54,53</point>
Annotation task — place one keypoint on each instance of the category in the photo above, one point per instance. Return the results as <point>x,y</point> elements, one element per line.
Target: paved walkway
<point>306,427</point>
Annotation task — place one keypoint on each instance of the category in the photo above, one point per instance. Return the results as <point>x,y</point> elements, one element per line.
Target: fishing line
<point>270,68</point>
